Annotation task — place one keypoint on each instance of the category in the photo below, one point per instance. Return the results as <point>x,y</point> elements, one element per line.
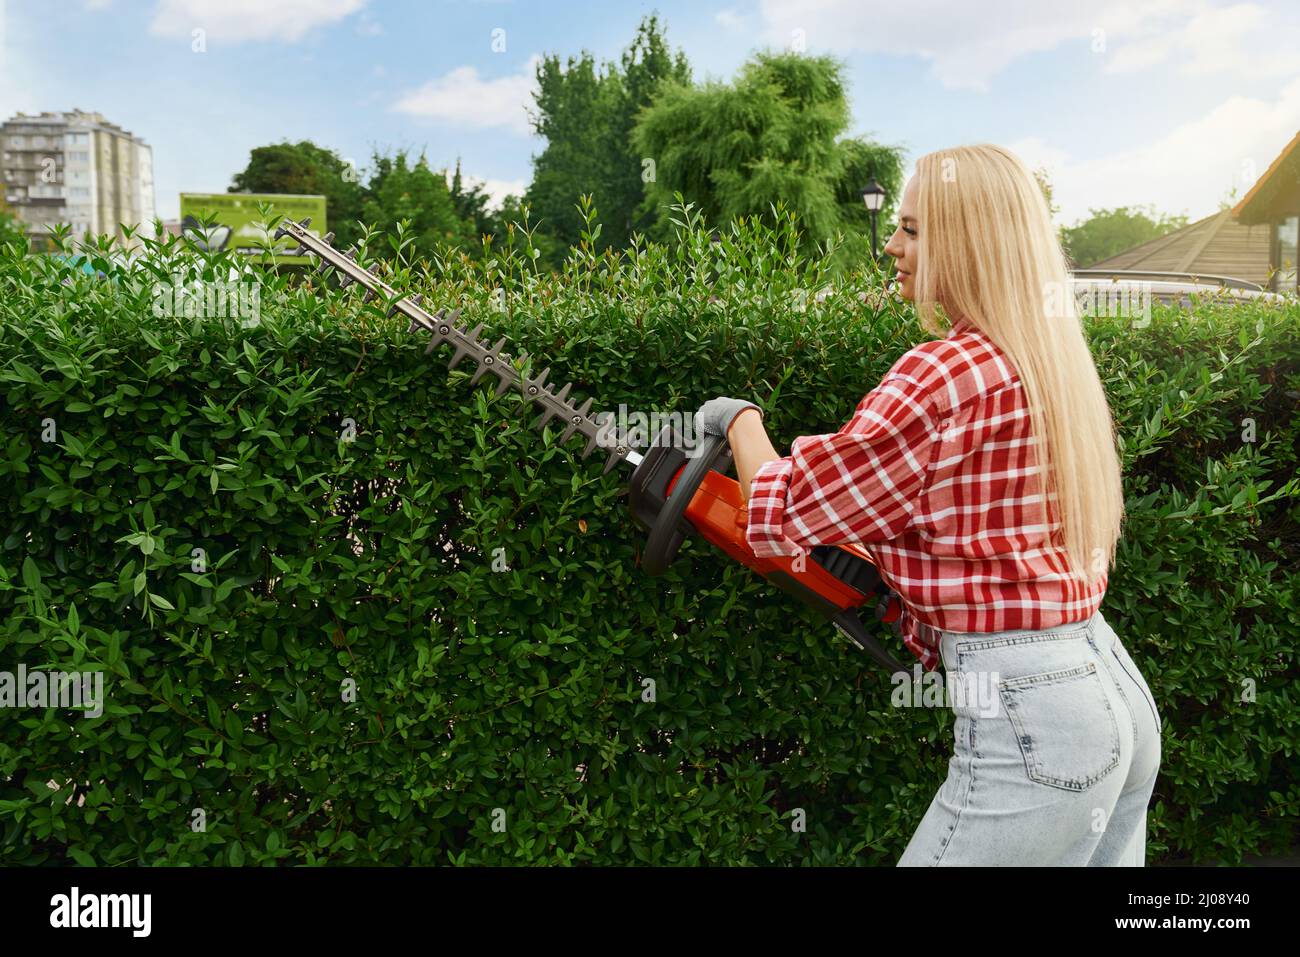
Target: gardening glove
<point>716,415</point>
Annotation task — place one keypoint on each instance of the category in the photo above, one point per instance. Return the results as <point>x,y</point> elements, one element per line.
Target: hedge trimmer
<point>672,493</point>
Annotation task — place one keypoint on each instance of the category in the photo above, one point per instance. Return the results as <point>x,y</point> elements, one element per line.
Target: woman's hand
<point>716,415</point>
<point>750,446</point>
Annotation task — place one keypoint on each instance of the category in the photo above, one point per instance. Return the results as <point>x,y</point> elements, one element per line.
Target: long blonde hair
<point>988,252</point>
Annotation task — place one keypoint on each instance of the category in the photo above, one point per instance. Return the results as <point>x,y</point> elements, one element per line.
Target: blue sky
<point>1168,102</point>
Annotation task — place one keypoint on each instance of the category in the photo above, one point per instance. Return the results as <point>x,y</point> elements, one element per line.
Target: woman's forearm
<point>750,448</point>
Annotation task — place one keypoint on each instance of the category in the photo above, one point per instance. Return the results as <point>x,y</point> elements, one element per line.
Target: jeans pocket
<point>1065,725</point>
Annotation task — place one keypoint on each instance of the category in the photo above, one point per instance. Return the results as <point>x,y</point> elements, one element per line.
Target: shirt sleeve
<point>859,484</point>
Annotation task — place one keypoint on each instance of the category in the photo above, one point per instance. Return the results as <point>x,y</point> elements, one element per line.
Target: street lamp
<point>873,195</point>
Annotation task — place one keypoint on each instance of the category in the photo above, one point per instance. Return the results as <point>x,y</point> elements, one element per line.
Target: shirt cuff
<point>766,516</point>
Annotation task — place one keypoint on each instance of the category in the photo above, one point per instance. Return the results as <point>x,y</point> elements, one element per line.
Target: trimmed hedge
<point>523,693</point>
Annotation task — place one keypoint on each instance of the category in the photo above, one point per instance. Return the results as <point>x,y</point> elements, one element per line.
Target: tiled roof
<point>1216,245</point>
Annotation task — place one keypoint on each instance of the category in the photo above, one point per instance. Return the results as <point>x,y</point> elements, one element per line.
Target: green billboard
<point>233,221</point>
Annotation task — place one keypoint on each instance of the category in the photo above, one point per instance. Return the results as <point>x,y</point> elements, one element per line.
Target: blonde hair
<point>988,252</point>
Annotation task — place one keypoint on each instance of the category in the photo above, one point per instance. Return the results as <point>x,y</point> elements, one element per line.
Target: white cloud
<point>1188,169</point>
<point>368,26</point>
<point>496,189</point>
<point>464,97</point>
<point>1139,55</point>
<point>1238,39</point>
<point>967,44</point>
<point>729,19</point>
<point>238,20</point>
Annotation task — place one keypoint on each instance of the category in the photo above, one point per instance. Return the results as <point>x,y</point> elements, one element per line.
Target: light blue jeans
<point>1056,751</point>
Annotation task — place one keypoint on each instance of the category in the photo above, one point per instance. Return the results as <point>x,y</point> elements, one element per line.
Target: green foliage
<point>1045,184</point>
<point>306,168</point>
<point>571,116</point>
<point>454,214</point>
<point>586,113</point>
<point>1108,232</point>
<point>400,191</point>
<point>737,149</point>
<point>515,693</point>
<point>646,65</point>
<point>470,203</point>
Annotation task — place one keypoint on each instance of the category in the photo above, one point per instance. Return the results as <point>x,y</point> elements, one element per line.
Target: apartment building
<point>76,168</point>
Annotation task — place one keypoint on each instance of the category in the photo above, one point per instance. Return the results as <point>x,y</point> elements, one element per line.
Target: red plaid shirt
<point>932,476</point>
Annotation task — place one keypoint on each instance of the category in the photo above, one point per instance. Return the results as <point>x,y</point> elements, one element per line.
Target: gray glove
<point>716,415</point>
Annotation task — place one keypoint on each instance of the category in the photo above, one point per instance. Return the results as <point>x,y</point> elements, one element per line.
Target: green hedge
<point>505,715</point>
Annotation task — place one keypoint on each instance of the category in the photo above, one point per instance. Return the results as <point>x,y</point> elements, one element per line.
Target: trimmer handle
<point>669,529</point>
<point>675,494</point>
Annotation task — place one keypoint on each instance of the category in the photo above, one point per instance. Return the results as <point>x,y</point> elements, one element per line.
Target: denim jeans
<point>1056,751</point>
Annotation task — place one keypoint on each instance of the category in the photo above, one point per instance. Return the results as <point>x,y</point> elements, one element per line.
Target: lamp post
<point>873,195</point>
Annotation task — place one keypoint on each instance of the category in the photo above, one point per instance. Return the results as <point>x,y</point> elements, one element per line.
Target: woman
<point>941,474</point>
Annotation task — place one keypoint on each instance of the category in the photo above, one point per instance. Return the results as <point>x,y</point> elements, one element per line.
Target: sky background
<point>1172,103</point>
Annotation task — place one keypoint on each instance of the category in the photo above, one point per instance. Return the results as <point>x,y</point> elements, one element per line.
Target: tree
<point>307,168</point>
<point>1045,184</point>
<point>398,190</point>
<point>572,113</point>
<point>736,149</point>
<point>471,205</point>
<point>647,65</point>
<point>1108,232</point>
<point>586,112</point>
<point>863,161</point>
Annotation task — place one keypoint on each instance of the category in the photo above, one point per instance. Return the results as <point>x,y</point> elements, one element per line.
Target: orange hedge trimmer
<point>673,493</point>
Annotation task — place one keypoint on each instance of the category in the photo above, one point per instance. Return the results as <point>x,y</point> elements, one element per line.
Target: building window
<point>1288,239</point>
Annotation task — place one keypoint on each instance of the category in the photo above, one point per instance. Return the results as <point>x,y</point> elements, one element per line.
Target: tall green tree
<point>647,64</point>
<point>399,189</point>
<point>471,203</point>
<point>586,111</point>
<point>1108,232</point>
<point>775,134</point>
<point>574,103</point>
<point>305,167</point>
